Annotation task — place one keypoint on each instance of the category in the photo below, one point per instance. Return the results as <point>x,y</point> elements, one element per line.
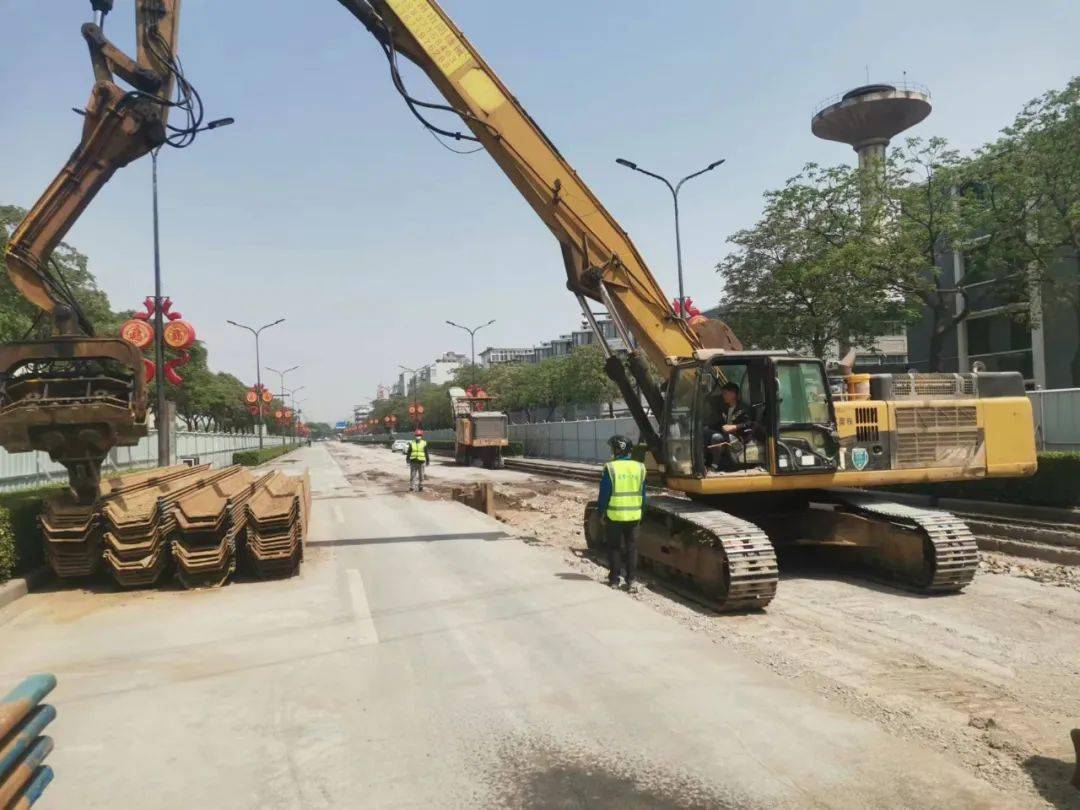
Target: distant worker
<point>733,418</point>
<point>418,458</point>
<point>622,505</point>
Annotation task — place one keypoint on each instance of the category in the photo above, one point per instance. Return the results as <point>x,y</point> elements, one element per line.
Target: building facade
<point>558,347</point>
<point>443,369</point>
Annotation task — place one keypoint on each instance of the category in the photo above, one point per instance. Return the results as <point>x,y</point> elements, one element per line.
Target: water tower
<point>868,117</point>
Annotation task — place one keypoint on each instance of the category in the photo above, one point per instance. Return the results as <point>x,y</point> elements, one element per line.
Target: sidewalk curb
<point>18,587</point>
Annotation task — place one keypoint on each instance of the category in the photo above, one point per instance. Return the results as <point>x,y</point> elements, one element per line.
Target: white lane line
<point>366,632</point>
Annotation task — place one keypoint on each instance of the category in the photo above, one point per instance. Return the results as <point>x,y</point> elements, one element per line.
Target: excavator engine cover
<point>74,398</point>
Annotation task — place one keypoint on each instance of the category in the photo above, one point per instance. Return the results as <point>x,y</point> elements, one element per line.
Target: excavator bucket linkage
<point>74,398</point>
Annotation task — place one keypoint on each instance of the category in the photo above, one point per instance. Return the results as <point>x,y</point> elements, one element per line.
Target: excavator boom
<point>602,262</point>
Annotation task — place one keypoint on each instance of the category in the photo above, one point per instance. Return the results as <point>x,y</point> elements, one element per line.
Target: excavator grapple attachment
<point>74,398</point>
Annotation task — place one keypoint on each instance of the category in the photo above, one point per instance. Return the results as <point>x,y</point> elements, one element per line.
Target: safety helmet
<point>620,445</point>
<point>418,432</point>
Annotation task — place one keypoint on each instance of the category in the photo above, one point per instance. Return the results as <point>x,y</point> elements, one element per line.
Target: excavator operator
<point>733,418</point>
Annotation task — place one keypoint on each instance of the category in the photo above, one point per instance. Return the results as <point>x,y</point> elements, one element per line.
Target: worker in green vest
<point>417,455</point>
<point>622,505</point>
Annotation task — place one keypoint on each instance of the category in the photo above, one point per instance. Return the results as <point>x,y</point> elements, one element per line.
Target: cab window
<point>679,441</point>
<point>804,398</point>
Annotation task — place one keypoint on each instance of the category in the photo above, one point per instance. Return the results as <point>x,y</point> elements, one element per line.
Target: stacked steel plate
<point>277,517</point>
<point>72,531</point>
<point>136,527</point>
<point>141,523</point>
<point>208,522</point>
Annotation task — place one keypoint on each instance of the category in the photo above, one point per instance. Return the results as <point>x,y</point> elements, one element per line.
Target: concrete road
<point>424,659</point>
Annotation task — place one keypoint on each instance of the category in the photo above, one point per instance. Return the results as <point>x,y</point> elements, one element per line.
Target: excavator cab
<point>782,414</point>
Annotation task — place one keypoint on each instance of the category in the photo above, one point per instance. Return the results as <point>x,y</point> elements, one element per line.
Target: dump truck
<point>480,433</point>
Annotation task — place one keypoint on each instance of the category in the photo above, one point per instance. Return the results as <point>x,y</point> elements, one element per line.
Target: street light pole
<point>415,385</point>
<point>674,189</point>
<point>472,336</point>
<point>164,423</point>
<point>258,367</point>
<point>162,406</point>
<point>281,378</point>
<point>296,415</point>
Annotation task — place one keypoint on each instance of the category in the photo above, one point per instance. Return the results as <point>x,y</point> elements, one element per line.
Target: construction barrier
<point>23,748</point>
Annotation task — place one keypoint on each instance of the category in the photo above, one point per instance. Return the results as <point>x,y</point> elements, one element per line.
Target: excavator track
<point>946,559</point>
<point>709,554</point>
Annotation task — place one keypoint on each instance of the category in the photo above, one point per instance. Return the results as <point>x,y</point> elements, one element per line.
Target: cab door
<point>805,439</point>
<point>681,430</point>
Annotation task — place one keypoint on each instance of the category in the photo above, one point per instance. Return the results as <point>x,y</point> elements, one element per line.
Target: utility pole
<point>674,189</point>
<point>258,366</point>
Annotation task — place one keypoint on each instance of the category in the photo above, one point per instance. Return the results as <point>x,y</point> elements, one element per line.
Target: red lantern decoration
<point>252,398</point>
<point>179,335</point>
<point>138,333</point>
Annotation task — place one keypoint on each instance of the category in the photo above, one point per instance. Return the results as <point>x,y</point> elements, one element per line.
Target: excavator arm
<point>120,126</point>
<point>601,261</point>
<point>73,395</point>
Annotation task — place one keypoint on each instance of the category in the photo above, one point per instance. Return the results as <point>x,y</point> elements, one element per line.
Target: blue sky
<point>328,205</point>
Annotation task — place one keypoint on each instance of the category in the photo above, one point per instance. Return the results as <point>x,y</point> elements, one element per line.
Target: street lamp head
<point>714,165</point>
<point>627,163</point>
<point>221,122</point>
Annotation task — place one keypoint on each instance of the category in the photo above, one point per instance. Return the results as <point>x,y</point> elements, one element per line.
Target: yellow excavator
<point>796,477</point>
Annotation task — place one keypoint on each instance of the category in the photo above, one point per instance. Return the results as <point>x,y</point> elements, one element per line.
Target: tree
<point>1030,180</point>
<point>320,430</point>
<point>926,208</point>
<point>584,378</point>
<point>798,279</point>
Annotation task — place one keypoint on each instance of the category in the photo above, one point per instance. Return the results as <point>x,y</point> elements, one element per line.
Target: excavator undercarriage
<point>730,558</point>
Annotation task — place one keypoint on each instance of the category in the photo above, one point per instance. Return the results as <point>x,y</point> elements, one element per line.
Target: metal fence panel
<point>27,470</point>
<point>585,440</point>
<point>1057,418</point>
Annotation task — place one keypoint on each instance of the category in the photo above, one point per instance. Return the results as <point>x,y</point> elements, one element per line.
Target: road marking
<point>367,634</point>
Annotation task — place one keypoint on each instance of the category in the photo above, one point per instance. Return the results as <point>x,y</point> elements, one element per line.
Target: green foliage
<point>1028,181</point>
<point>537,389</point>
<point>253,458</point>
<point>1057,483</point>
<point>796,279</point>
<point>20,537</point>
<point>320,430</point>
